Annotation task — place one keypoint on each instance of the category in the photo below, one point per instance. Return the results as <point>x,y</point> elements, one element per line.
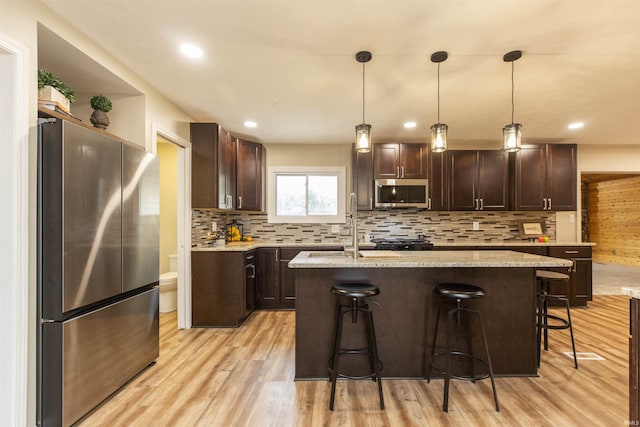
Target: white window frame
<point>337,171</point>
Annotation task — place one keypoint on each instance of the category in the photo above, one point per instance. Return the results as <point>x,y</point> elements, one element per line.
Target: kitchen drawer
<point>570,251</point>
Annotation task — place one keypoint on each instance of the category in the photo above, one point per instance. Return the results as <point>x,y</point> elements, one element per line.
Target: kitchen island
<point>405,310</point>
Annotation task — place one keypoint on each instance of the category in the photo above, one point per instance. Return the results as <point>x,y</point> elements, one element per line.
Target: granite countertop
<point>514,243</point>
<point>426,259</point>
<point>633,292</point>
<point>256,244</point>
<point>247,246</point>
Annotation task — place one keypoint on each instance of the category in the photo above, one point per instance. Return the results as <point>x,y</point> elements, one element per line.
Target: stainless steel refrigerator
<point>98,261</point>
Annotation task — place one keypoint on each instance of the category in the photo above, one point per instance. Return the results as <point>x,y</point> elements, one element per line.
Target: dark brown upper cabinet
<point>249,175</point>
<point>204,161</point>
<point>438,182</point>
<point>226,173</point>
<point>362,178</point>
<point>405,161</point>
<point>226,170</point>
<point>545,178</point>
<point>478,180</point>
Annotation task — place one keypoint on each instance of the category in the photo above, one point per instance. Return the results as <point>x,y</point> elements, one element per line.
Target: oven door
<point>402,193</point>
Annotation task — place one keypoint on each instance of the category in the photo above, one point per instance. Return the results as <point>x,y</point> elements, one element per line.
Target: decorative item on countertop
<point>218,236</point>
<point>234,232</point>
<point>101,106</point>
<point>53,93</point>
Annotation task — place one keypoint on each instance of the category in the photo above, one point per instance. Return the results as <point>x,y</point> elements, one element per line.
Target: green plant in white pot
<point>101,106</point>
<point>51,88</point>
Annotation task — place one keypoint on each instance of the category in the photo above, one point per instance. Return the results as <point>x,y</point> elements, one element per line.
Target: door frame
<point>184,219</point>
<point>16,222</point>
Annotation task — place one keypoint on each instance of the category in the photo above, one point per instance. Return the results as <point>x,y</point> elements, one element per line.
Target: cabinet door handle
<point>253,271</point>
<point>481,204</point>
<point>397,171</point>
<point>571,252</point>
<point>249,257</point>
<point>544,204</point>
<point>429,204</point>
<point>370,203</point>
<point>239,202</point>
<point>402,169</point>
<point>549,203</point>
<point>476,204</point>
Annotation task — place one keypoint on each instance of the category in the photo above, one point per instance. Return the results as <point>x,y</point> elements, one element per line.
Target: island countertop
<point>425,259</point>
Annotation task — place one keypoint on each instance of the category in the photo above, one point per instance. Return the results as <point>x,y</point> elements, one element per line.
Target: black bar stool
<point>450,293</point>
<point>545,279</point>
<point>356,292</point>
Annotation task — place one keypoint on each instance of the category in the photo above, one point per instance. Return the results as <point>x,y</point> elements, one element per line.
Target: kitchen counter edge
<point>247,246</point>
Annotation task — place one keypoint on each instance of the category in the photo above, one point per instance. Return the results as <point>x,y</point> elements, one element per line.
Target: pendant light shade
<point>363,138</point>
<point>363,130</point>
<point>512,133</point>
<point>439,130</point>
<point>439,137</point>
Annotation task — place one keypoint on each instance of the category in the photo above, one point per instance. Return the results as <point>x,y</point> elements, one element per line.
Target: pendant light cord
<point>512,90</point>
<point>363,64</point>
<point>438,93</point>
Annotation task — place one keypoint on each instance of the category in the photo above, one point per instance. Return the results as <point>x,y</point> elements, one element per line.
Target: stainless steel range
<point>419,243</point>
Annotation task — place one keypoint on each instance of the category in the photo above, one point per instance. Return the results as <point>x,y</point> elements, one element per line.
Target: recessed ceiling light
<point>191,50</point>
<point>250,124</point>
<point>410,125</point>
<point>576,125</point>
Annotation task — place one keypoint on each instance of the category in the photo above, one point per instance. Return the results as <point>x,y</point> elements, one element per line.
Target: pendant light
<point>363,130</point>
<point>439,130</point>
<point>512,133</point>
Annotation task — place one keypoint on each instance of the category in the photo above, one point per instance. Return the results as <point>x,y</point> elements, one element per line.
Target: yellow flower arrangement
<point>233,234</point>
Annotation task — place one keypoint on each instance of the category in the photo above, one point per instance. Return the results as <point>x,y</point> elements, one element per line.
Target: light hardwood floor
<point>244,377</point>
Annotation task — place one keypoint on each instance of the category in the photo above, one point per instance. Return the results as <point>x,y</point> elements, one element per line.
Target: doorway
<point>15,219</point>
<point>174,153</point>
<point>609,216</point>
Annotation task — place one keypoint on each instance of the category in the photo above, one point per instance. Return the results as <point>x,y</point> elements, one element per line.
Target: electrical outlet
<point>335,229</point>
<point>572,218</point>
<point>476,225</point>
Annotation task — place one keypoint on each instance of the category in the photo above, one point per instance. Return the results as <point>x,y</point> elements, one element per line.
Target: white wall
<point>606,158</point>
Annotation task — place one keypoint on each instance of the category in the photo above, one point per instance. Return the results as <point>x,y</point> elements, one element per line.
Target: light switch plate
<point>476,225</point>
<point>335,228</point>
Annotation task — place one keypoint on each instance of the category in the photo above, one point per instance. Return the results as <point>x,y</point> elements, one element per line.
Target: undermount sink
<point>325,254</point>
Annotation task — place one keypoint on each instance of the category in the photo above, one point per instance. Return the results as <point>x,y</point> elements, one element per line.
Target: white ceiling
<point>290,65</point>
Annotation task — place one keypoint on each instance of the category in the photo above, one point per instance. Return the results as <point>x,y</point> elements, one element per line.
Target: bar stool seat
<point>545,280</point>
<point>457,293</point>
<point>356,293</point>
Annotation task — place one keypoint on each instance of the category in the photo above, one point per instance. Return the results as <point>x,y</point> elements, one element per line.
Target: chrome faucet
<point>353,202</point>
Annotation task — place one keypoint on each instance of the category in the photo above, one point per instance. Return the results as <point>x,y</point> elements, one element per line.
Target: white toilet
<point>169,286</point>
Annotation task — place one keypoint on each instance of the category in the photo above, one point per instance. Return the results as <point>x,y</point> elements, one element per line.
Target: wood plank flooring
<point>244,377</point>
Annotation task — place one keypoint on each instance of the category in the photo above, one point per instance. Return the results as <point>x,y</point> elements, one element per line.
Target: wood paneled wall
<point>614,220</point>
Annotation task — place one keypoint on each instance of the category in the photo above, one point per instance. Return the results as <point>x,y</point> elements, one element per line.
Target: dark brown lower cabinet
<point>579,289</point>
<point>634,362</point>
<point>223,287</point>
<point>268,278</point>
<point>276,281</point>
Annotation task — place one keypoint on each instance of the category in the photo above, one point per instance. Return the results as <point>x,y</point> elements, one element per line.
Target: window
<point>311,195</point>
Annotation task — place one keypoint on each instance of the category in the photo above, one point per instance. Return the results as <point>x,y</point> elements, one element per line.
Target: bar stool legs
<point>543,317</point>
<point>355,292</point>
<point>454,316</point>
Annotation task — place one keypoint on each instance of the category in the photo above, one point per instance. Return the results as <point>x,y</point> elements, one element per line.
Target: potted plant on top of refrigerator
<point>101,106</point>
<point>54,93</point>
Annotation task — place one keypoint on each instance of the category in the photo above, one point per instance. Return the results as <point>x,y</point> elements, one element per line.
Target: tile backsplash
<point>438,227</point>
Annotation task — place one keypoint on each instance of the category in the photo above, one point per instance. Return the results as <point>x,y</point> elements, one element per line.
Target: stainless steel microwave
<point>402,193</point>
